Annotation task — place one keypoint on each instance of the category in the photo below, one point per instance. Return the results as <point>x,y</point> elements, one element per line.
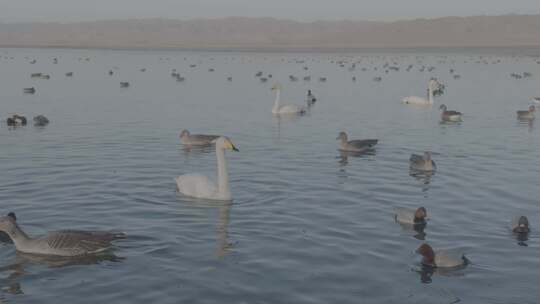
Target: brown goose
<point>449,115</point>
<point>59,243</point>
<point>196,139</point>
<point>422,163</point>
<point>355,145</point>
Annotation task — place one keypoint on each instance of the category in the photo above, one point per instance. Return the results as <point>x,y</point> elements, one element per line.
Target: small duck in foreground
<point>520,224</point>
<point>529,114</point>
<point>449,115</point>
<point>422,163</point>
<point>355,145</point>
<point>196,139</point>
<point>441,259</point>
<point>67,243</point>
<point>16,120</point>
<point>411,216</point>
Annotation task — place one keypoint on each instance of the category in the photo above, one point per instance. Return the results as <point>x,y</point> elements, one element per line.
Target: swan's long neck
<point>17,235</point>
<point>223,177</point>
<point>343,142</point>
<point>276,102</point>
<point>430,95</point>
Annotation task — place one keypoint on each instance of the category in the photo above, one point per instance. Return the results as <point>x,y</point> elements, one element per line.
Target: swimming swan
<point>285,109</point>
<point>420,101</point>
<point>199,186</point>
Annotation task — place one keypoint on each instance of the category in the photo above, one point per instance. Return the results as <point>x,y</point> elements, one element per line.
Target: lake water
<point>307,225</point>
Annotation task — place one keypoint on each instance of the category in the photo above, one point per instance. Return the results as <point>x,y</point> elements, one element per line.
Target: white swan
<point>420,101</point>
<point>199,186</point>
<point>285,109</point>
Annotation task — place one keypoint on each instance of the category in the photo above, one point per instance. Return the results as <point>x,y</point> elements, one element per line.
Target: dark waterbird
<point>16,120</point>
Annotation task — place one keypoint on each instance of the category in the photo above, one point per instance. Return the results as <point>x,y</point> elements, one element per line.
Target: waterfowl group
<point>67,243</point>
<point>19,120</point>
<point>76,243</point>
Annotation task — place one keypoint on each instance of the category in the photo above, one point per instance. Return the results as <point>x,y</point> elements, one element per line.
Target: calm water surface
<point>307,225</point>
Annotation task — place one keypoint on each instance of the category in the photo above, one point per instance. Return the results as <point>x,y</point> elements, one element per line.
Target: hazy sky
<point>305,10</point>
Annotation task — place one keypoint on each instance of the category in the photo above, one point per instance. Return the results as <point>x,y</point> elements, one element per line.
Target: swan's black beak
<point>235,149</point>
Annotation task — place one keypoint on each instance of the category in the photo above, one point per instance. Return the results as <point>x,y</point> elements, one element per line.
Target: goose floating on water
<point>529,114</point>
<point>196,139</point>
<point>441,259</point>
<point>355,145</point>
<point>285,109</point>
<point>422,163</point>
<point>199,186</point>
<point>58,243</point>
<point>449,115</point>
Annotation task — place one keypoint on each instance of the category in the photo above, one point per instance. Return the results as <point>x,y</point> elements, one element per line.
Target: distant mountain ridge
<point>270,33</point>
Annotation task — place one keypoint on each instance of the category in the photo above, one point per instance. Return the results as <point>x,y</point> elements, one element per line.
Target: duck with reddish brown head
<point>416,216</point>
<point>441,259</point>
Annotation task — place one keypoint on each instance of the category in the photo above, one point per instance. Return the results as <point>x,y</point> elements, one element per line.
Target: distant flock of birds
<point>77,243</point>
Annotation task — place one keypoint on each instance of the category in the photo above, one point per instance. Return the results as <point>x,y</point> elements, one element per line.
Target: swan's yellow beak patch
<point>229,145</point>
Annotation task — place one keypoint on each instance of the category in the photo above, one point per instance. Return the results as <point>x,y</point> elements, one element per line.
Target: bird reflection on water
<point>18,268</point>
<point>343,157</point>
<point>224,246</point>
<point>423,177</point>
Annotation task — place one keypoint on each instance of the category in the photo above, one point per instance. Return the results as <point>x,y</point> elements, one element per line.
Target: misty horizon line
<point>238,17</point>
